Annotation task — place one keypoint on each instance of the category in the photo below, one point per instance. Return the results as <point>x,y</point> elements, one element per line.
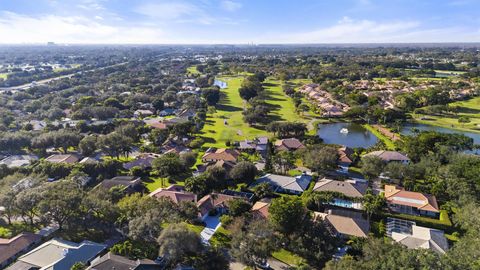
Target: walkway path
<point>212,223</point>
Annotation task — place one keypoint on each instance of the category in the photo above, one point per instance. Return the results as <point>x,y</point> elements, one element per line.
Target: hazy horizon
<point>238,22</point>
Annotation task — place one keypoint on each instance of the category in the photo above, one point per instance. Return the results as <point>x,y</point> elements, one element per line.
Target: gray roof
<point>351,188</point>
<point>58,254</point>
<point>423,237</point>
<point>18,160</point>
<point>299,183</point>
<point>111,261</point>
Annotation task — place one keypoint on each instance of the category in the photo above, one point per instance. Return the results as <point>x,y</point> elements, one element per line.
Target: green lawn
<point>196,228</point>
<point>389,143</point>
<point>469,108</point>
<point>221,238</point>
<point>156,182</point>
<point>3,76</point>
<point>287,257</point>
<point>216,132</point>
<point>449,72</point>
<point>193,70</point>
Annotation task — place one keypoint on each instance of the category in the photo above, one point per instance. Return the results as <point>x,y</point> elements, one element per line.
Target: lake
<point>357,136</point>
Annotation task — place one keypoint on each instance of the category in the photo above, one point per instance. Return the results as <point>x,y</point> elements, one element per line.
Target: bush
<point>226,220</point>
<point>197,143</point>
<point>136,171</point>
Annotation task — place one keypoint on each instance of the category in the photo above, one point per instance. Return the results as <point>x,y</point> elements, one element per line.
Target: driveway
<point>212,223</point>
<point>277,265</point>
<point>274,264</point>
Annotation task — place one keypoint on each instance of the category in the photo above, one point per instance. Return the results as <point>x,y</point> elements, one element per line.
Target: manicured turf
<point>156,182</point>
<point>221,238</point>
<point>227,124</point>
<point>193,70</point>
<point>283,107</point>
<point>196,228</point>
<point>469,108</point>
<point>287,257</point>
<point>3,76</point>
<point>389,143</point>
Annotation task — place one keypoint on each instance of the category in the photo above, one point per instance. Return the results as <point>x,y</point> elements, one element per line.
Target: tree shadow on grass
<point>274,118</point>
<point>228,108</point>
<point>208,139</point>
<point>468,110</point>
<point>211,122</point>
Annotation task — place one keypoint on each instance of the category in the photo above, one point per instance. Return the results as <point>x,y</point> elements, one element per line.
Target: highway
<point>45,81</point>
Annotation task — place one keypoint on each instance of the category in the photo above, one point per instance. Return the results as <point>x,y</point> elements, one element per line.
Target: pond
<point>357,135</point>
<point>408,129</point>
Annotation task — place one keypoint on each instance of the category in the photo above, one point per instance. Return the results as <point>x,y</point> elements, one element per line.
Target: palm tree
<point>373,204</point>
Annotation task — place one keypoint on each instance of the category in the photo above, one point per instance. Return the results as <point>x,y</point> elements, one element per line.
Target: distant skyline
<point>238,21</point>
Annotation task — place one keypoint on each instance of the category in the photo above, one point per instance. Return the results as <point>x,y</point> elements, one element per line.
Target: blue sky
<point>239,21</point>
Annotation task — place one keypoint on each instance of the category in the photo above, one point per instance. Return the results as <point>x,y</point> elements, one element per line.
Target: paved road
<point>45,81</point>
<point>274,264</point>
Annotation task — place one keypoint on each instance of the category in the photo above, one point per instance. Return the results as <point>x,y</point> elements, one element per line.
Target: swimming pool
<point>342,203</point>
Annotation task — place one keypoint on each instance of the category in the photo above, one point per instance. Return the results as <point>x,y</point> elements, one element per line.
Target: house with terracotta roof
<point>260,209</point>
<point>67,158</point>
<point>423,237</point>
<point>346,225</point>
<point>176,193</point>
<point>217,201</point>
<point>158,123</point>
<point>290,144</point>
<point>410,202</point>
<point>221,154</point>
<point>345,156</point>
<point>11,248</point>
<point>389,156</point>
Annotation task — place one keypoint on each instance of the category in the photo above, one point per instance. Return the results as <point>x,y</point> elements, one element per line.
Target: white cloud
<point>17,28</point>
<point>94,5</point>
<point>230,5</point>
<point>348,30</point>
<point>167,11</point>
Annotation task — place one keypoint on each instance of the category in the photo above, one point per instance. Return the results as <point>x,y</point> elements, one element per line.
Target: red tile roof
<point>289,144</point>
<point>214,200</point>
<point>260,210</point>
<point>176,193</point>
<point>11,247</point>
<point>418,200</point>
<point>221,154</point>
